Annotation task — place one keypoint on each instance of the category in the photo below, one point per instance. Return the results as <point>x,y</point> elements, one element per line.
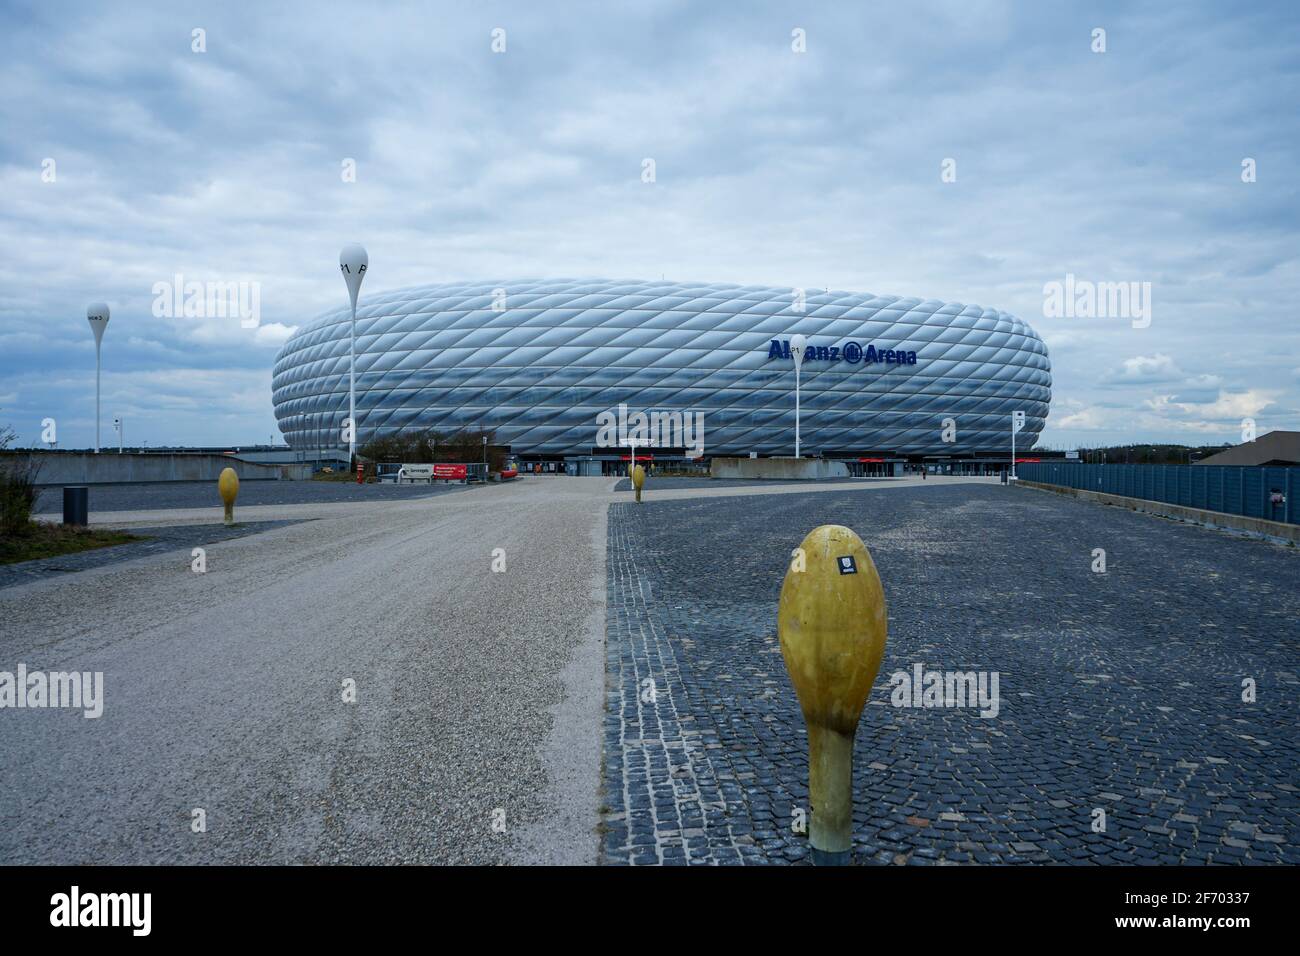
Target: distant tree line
<point>1149,454</point>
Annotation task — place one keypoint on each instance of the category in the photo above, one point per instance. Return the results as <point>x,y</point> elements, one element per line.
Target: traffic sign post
<point>1017,423</point>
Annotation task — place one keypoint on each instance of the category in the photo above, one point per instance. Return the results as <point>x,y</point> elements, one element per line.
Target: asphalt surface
<point>224,692</point>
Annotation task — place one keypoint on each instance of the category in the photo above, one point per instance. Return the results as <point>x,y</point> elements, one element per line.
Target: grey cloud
<point>774,168</point>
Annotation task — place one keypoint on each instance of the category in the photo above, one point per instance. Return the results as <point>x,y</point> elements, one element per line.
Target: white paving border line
<point>572,750</point>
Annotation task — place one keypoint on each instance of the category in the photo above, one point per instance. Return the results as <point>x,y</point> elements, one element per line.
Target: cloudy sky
<point>128,158</point>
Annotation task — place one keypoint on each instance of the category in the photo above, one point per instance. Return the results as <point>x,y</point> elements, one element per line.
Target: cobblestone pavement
<point>1120,693</point>
<point>155,541</point>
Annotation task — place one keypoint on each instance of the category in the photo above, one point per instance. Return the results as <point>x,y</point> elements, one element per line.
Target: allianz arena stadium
<point>539,361</point>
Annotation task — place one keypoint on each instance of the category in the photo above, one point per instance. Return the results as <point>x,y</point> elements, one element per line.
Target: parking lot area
<point>1146,710</point>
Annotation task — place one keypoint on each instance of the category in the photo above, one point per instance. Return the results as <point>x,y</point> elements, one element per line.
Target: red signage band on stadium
<point>1031,460</point>
<point>449,471</point>
<point>871,459</point>
<point>639,458</point>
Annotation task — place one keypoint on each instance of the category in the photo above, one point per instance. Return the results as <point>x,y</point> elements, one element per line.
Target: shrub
<point>427,446</point>
<point>18,474</point>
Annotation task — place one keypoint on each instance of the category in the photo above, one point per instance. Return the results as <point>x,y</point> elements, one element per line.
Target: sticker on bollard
<point>832,624</point>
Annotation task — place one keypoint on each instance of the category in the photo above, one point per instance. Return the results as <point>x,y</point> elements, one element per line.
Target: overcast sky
<point>776,167</point>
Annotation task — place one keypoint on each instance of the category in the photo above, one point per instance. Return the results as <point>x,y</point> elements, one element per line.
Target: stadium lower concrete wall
<point>797,469</point>
<point>110,468</point>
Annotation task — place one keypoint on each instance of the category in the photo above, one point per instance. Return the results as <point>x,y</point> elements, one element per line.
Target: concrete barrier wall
<point>797,469</point>
<point>1228,489</point>
<point>1276,530</point>
<point>110,468</point>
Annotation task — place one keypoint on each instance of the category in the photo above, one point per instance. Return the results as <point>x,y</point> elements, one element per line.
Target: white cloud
<point>1145,369</point>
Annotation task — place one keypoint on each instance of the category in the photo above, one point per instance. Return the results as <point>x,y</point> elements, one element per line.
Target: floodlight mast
<point>798,345</point>
<point>353,262</point>
<point>97,316</point>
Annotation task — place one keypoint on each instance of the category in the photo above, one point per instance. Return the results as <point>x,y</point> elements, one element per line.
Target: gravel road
<point>224,692</point>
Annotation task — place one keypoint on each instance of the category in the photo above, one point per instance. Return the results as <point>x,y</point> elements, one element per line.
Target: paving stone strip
<point>663,800</point>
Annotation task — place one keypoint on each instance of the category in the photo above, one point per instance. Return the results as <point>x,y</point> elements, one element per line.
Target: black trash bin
<point>76,506</point>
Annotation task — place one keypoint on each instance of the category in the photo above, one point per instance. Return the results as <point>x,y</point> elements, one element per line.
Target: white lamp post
<point>97,316</point>
<point>353,263</point>
<point>1017,423</point>
<point>798,345</point>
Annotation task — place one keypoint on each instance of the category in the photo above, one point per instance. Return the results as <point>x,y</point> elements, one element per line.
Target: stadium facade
<point>545,362</point>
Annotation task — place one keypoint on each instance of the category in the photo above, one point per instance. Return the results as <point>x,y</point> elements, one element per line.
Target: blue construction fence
<point>1256,492</point>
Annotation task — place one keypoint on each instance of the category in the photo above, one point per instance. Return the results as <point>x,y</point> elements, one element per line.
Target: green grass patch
<point>43,540</point>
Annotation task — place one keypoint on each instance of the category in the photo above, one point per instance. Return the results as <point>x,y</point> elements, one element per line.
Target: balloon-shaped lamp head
<point>97,316</point>
<point>798,346</point>
<point>353,263</point>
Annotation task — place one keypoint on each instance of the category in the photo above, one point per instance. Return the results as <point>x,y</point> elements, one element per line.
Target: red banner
<point>449,471</point>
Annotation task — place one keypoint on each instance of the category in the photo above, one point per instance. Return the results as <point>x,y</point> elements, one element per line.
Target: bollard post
<point>76,506</point>
<point>832,624</point>
<point>638,480</point>
<point>228,487</point>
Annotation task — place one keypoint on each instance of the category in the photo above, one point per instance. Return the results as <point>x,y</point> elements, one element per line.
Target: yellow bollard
<point>228,486</point>
<point>832,624</point>
<point>638,479</point>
